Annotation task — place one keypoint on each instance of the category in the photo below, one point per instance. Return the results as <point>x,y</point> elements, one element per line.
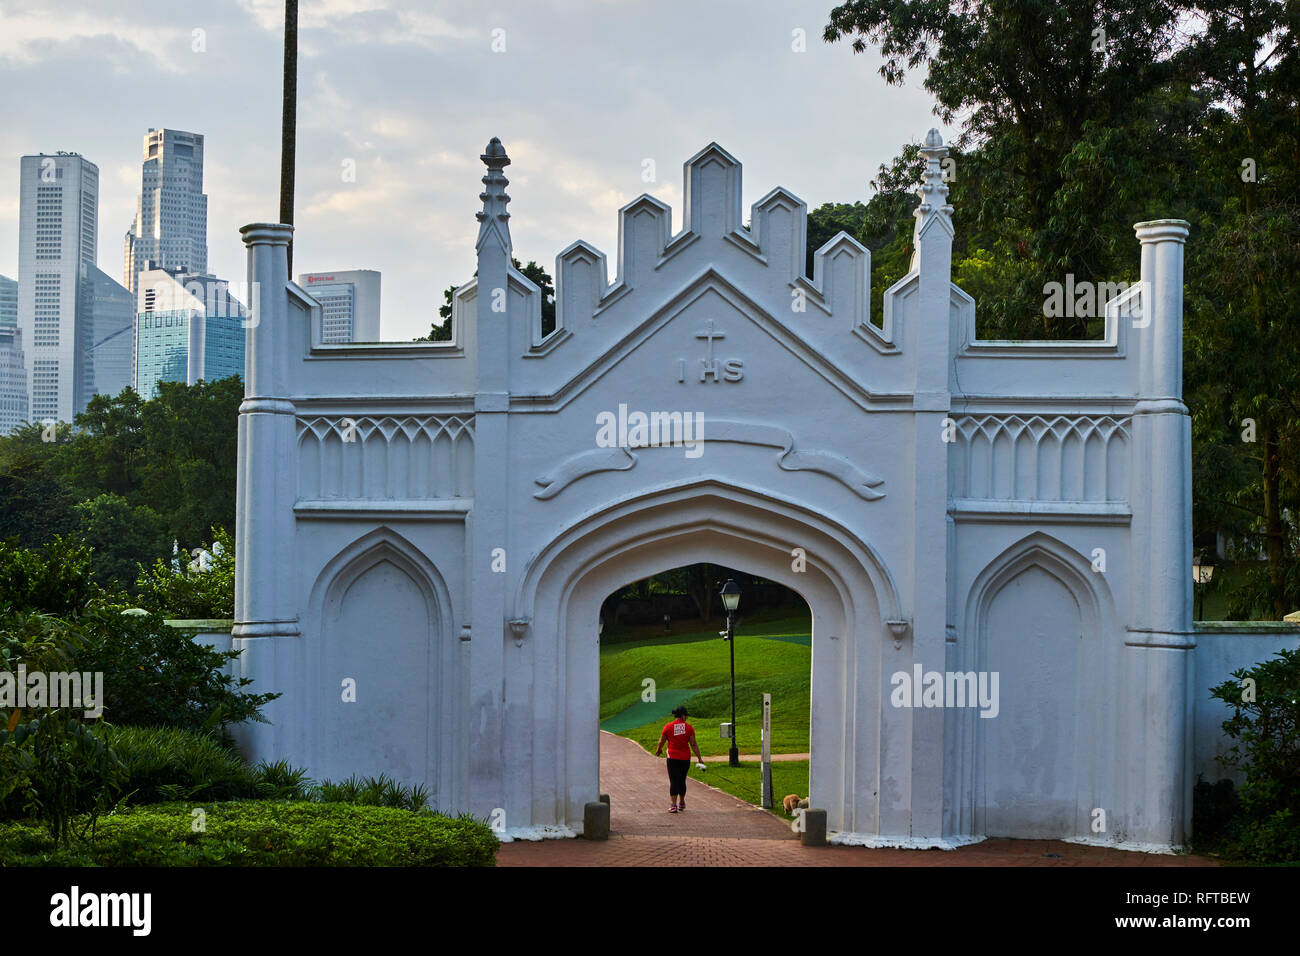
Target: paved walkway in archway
<point>718,829</point>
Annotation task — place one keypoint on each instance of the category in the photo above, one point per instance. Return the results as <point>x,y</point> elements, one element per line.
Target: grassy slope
<point>699,661</point>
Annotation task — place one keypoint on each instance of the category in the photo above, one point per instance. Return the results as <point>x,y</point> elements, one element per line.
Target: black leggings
<point>677,776</point>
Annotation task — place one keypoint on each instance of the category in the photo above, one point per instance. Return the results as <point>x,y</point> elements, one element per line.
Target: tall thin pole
<point>734,756</point>
<point>289,117</point>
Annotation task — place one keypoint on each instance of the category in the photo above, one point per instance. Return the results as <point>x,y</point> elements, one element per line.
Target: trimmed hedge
<point>261,833</point>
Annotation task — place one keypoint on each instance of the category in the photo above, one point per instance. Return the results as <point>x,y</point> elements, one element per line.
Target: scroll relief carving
<point>622,433</point>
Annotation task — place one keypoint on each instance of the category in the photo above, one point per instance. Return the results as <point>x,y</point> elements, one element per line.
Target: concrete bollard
<point>595,821</point>
<point>604,798</point>
<point>814,827</point>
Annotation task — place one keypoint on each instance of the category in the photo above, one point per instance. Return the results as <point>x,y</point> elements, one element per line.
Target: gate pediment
<point>717,266</point>
<point>721,308</point>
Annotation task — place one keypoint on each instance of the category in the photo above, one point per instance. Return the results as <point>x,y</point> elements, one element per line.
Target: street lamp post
<point>731,601</point>
<point>1202,573</point>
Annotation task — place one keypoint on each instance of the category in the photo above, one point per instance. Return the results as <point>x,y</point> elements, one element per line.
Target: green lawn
<point>773,655</point>
<point>746,781</point>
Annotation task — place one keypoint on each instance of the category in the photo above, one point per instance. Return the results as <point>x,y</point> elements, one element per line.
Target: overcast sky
<point>410,91</point>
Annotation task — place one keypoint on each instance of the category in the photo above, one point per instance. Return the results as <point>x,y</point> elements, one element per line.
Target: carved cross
<point>709,335</point>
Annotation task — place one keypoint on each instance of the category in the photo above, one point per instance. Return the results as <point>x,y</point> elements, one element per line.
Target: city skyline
<point>170,226</point>
<point>59,204</point>
<point>387,145</point>
<point>188,327</point>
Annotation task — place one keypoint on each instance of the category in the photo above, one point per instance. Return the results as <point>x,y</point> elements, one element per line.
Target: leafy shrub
<point>381,791</point>
<point>168,763</point>
<point>190,593</point>
<point>67,773</point>
<point>53,579</point>
<point>1273,839</point>
<point>52,765</point>
<point>1265,728</point>
<point>155,675</point>
<point>279,780</point>
<point>261,833</point>
<point>1215,808</point>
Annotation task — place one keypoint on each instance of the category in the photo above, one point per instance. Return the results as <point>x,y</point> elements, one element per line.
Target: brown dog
<point>792,802</point>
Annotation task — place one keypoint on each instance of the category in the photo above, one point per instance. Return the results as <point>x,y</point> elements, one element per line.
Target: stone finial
<point>934,192</point>
<point>494,218</point>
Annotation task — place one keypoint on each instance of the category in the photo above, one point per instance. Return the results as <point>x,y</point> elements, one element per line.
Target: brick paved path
<point>717,829</point>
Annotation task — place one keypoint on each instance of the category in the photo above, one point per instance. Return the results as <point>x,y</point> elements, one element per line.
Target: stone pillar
<point>487,521</point>
<point>929,345</point>
<point>264,496</point>
<point>266,616</point>
<point>1160,637</point>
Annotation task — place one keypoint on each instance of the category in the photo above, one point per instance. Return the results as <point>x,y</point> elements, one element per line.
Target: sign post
<point>767,752</point>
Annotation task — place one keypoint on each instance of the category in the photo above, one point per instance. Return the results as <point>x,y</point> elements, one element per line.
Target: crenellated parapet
<point>775,238</point>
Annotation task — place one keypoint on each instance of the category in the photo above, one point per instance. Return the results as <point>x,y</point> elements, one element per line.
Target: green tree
<point>156,675</point>
<point>122,537</point>
<point>54,578</point>
<point>1039,88</point>
<point>174,455</point>
<point>52,764</point>
<point>35,505</point>
<point>441,330</point>
<point>110,445</point>
<point>1243,337</point>
<point>188,475</point>
<point>1079,119</point>
<point>883,224</point>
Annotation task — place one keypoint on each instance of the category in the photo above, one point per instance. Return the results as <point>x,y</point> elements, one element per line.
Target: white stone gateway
<point>426,531</point>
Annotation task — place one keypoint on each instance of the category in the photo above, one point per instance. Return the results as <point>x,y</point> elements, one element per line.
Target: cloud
<point>359,22</point>
<point>30,37</point>
<point>411,91</point>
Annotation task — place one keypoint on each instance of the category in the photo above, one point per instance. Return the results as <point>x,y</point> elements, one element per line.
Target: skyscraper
<point>13,369</point>
<point>57,221</point>
<point>8,303</point>
<point>106,332</point>
<point>13,380</point>
<point>189,328</point>
<point>170,230</point>
<point>349,303</point>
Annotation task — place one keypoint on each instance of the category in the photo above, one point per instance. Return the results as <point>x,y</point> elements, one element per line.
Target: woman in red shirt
<point>680,737</point>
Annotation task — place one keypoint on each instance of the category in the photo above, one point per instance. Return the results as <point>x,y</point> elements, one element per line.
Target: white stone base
<point>839,838</point>
<point>1133,847</point>
<point>534,834</point>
